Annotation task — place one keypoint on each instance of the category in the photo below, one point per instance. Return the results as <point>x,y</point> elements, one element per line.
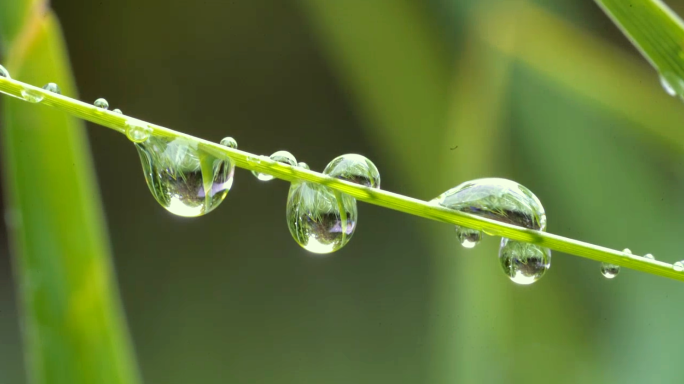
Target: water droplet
<point>101,103</point>
<point>627,251</point>
<point>304,165</point>
<point>498,199</point>
<point>649,256</point>
<point>468,237</point>
<point>117,110</point>
<point>4,72</point>
<point>229,142</point>
<point>284,157</point>
<point>354,168</point>
<point>137,131</point>
<point>320,219</point>
<point>678,266</point>
<point>523,263</point>
<point>184,180</point>
<point>672,83</point>
<point>52,87</point>
<point>32,96</point>
<point>609,271</point>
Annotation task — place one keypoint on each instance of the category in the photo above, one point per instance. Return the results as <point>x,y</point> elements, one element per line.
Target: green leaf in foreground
<point>74,331</point>
<point>657,32</point>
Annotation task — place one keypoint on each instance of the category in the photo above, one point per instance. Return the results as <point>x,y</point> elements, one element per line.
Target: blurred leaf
<point>74,330</point>
<point>656,31</point>
<point>589,67</point>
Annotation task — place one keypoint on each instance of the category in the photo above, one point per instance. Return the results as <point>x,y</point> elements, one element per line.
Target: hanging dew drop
<point>354,168</point>
<point>667,87</point>
<point>32,96</point>
<point>468,237</point>
<point>184,180</point>
<point>284,157</point>
<point>320,219</point>
<point>101,103</point>
<point>137,131</point>
<point>523,263</point>
<point>609,271</point>
<point>4,72</point>
<point>117,110</point>
<point>678,266</point>
<point>229,142</point>
<point>52,87</point>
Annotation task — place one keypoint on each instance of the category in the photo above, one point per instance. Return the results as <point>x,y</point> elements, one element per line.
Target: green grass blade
<point>73,326</point>
<point>656,31</point>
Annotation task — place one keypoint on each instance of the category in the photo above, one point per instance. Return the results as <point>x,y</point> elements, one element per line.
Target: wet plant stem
<point>381,198</point>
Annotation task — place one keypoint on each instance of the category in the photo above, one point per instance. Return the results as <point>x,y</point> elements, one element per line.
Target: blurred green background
<point>547,93</point>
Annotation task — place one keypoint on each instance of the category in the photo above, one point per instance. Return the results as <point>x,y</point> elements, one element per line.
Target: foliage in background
<point>73,326</point>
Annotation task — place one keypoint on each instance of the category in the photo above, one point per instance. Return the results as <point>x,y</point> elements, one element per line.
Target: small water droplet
<point>304,165</point>
<point>678,266</point>
<point>468,237</point>
<point>609,271</point>
<point>627,251</point>
<point>320,219</point>
<point>52,87</point>
<point>32,96</point>
<point>229,142</point>
<point>649,256</point>
<point>184,180</point>
<point>498,199</point>
<point>137,131</point>
<point>101,103</point>
<point>117,110</point>
<point>354,168</point>
<point>284,157</point>
<point>523,263</point>
<point>4,72</point>
<point>672,83</point>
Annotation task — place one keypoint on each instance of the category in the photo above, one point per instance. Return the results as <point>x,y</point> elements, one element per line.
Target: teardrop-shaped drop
<point>183,179</point>
<point>468,237</point>
<point>320,219</point>
<point>284,157</point>
<point>101,103</point>
<point>354,168</point>
<point>52,87</point>
<point>523,263</point>
<point>609,271</point>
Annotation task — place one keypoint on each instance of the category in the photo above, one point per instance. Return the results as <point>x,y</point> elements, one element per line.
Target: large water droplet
<point>32,96</point>
<point>52,87</point>
<point>609,271</point>
<point>468,237</point>
<point>523,263</point>
<point>137,131</point>
<point>320,219</point>
<point>184,180</point>
<point>354,168</point>
<point>101,103</point>
<point>4,72</point>
<point>284,157</point>
<point>678,266</point>
<point>229,142</point>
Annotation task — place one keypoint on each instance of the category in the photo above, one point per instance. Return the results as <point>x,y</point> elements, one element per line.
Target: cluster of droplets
<point>509,202</point>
